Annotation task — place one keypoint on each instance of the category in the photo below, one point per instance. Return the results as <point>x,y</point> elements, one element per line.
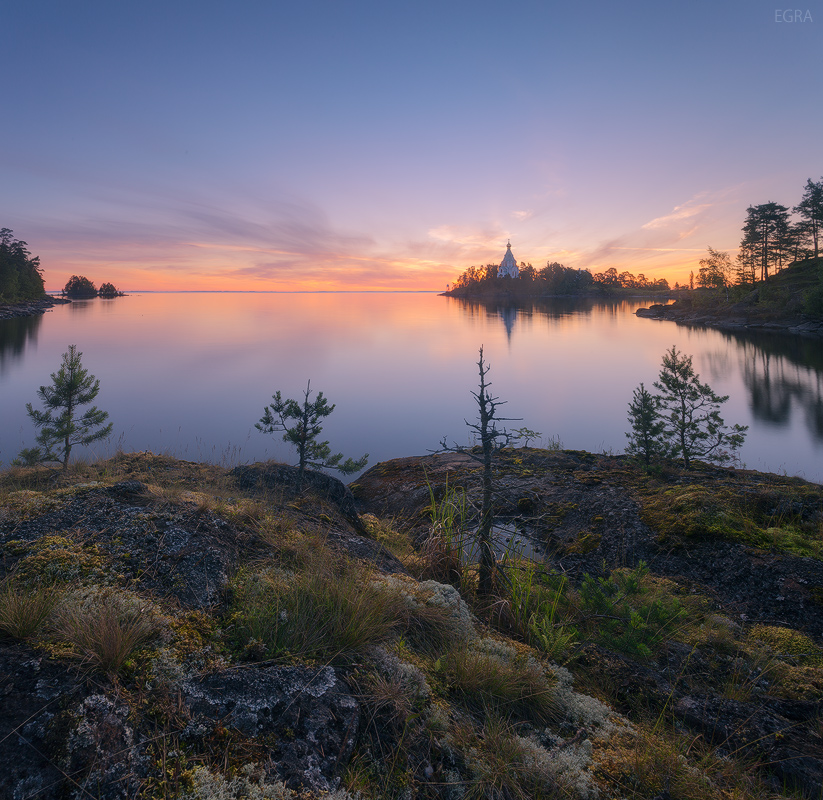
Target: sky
<point>325,145</point>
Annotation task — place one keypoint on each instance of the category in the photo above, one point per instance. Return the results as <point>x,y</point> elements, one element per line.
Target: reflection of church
<point>508,266</point>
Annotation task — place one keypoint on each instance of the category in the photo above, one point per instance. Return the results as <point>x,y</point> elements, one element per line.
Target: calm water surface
<point>189,374</point>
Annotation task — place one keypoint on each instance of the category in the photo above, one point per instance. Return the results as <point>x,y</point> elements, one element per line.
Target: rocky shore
<point>31,307</point>
<point>170,629</point>
<point>737,317</point>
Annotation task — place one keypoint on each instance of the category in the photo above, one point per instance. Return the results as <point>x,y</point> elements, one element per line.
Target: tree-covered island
<point>512,282</point>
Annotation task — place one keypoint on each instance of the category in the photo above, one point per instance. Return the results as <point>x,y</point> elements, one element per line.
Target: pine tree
<point>646,436</point>
<point>765,235</point>
<point>810,208</point>
<point>61,427</point>
<point>694,427</point>
<point>304,432</point>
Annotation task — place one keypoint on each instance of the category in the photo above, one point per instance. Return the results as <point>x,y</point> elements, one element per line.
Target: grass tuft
<point>328,611</point>
<point>103,629</point>
<point>23,610</point>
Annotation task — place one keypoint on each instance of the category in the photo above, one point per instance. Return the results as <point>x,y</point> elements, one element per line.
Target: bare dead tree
<point>492,440</point>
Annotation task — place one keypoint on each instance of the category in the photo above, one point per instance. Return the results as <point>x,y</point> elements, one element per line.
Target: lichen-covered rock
<point>308,714</point>
<point>184,553</point>
<point>794,757</point>
<point>102,749</point>
<point>271,475</point>
<point>33,692</point>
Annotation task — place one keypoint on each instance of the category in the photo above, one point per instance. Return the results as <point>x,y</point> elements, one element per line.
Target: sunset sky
<point>321,144</point>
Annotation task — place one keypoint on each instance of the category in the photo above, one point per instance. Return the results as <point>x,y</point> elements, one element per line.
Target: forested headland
<point>21,277</point>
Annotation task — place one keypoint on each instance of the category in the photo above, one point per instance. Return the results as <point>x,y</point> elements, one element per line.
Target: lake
<point>189,374</point>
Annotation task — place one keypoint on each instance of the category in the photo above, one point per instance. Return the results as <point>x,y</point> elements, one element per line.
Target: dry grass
<point>103,629</point>
<point>24,610</point>
<point>516,685</point>
<point>501,766</point>
<point>327,611</point>
<point>664,763</point>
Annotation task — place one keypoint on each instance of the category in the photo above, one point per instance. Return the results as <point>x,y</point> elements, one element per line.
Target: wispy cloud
<point>677,215</point>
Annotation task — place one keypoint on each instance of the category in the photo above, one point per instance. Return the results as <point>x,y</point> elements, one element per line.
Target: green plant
<point>620,616</point>
<point>536,600</point>
<point>449,549</point>
<point>525,435</point>
<point>646,436</point>
<point>62,429</point>
<point>304,433</point>
<point>813,301</point>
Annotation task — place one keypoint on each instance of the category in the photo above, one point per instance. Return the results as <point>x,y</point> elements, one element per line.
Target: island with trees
<point>79,287</point>
<point>22,289</point>
<point>553,280</point>
<point>774,282</point>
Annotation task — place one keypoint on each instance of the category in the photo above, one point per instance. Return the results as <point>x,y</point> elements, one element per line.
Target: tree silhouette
<point>810,209</point>
<point>79,286</point>
<point>765,235</point>
<point>20,274</point>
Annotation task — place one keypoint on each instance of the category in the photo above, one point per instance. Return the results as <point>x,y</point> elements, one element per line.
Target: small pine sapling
<point>694,427</point>
<point>61,427</point>
<point>646,436</point>
<point>304,431</point>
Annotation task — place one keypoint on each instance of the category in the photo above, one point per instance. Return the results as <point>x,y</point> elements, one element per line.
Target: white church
<point>508,266</point>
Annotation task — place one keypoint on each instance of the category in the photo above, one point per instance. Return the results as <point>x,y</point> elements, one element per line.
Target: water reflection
<point>510,312</point>
<point>185,373</point>
<point>782,372</point>
<point>14,335</point>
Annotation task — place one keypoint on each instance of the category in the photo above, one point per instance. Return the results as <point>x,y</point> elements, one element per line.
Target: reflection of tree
<point>779,370</point>
<point>14,333</point>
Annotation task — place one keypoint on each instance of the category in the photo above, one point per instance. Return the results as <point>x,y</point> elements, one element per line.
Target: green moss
<point>766,518</point>
<point>27,503</point>
<point>785,642</point>
<point>586,543</point>
<point>57,558</point>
